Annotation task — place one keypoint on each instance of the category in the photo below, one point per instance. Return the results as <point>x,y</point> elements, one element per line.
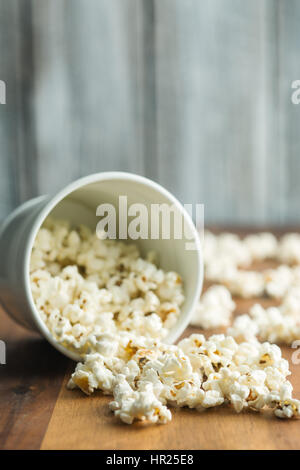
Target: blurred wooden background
<point>195,94</point>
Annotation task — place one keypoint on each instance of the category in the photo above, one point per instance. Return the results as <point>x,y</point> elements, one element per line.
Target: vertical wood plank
<point>149,92</point>
<point>193,94</point>
<point>211,110</point>
<point>29,385</point>
<point>289,114</point>
<point>25,164</point>
<point>18,156</point>
<point>87,102</point>
<point>8,132</point>
<point>57,159</point>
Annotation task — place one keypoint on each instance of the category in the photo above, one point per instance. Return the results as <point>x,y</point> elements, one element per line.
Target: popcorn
<point>222,255</point>
<point>231,244</point>
<point>100,298</point>
<point>240,253</point>
<point>290,305</point>
<point>209,246</point>
<point>83,286</point>
<point>261,246</point>
<point>278,281</point>
<point>141,405</point>
<point>274,324</point>
<point>93,374</point>
<point>244,328</point>
<point>246,284</point>
<point>197,373</point>
<point>227,253</point>
<point>289,248</point>
<point>220,269</point>
<point>214,309</point>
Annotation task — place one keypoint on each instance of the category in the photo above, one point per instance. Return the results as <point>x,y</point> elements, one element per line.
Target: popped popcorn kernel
<point>248,375</point>
<point>84,286</point>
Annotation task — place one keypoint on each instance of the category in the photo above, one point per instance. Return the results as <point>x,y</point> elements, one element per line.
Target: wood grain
<point>89,115</point>
<point>29,384</point>
<point>195,94</point>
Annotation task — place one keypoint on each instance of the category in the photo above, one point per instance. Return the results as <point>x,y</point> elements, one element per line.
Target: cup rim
<point>182,322</point>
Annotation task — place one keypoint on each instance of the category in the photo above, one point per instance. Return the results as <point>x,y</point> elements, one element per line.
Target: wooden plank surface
<point>37,410</point>
<point>194,94</point>
<point>29,385</point>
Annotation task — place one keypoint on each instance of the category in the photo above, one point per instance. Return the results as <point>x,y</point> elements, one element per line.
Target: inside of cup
<point>80,207</point>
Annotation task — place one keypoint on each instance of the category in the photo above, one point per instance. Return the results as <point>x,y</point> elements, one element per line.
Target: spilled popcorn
<point>226,257</point>
<point>102,300</point>
<point>84,286</point>
<point>274,324</point>
<point>226,254</point>
<point>214,309</point>
<point>228,248</point>
<point>146,376</point>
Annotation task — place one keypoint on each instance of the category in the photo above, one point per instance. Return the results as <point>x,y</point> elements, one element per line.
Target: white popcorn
<point>289,248</point>
<point>244,328</point>
<point>83,286</point>
<point>261,246</point>
<point>290,305</point>
<point>222,255</point>
<point>232,245</point>
<point>147,376</point>
<point>93,374</point>
<point>274,324</point>
<point>100,298</point>
<point>214,309</point>
<point>246,284</point>
<point>283,403</point>
<point>241,253</point>
<point>227,253</point>
<point>278,281</point>
<point>106,344</point>
<point>209,246</point>
<point>221,269</point>
<point>141,405</point>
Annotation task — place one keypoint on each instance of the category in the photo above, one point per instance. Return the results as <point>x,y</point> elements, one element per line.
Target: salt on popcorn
<point>83,286</point>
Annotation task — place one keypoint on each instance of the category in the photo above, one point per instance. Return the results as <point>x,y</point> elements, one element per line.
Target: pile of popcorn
<point>102,300</point>
<point>226,254</point>
<point>279,325</point>
<point>226,257</point>
<point>145,376</point>
<point>84,286</point>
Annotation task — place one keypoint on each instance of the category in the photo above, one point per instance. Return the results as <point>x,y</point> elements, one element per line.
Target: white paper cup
<point>77,203</point>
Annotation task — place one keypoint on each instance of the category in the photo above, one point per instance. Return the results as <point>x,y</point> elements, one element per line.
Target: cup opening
<point>78,203</point>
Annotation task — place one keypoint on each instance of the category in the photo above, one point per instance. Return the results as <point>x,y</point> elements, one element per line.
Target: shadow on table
<point>33,357</point>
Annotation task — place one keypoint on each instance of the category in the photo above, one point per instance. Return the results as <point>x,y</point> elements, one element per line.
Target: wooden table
<point>38,412</point>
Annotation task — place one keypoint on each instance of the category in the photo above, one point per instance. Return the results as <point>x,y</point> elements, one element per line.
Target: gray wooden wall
<point>195,94</point>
